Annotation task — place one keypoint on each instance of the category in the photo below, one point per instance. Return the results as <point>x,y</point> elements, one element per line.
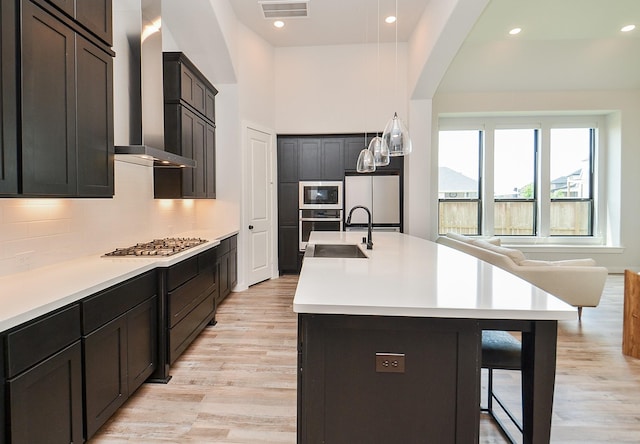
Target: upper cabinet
<point>189,131</point>
<point>94,15</point>
<point>8,108</point>
<point>65,97</point>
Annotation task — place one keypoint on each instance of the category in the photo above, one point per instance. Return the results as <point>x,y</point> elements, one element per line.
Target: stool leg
<point>490,391</point>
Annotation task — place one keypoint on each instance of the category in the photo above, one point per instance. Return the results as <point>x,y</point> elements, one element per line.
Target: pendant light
<point>366,162</point>
<point>380,151</point>
<point>396,134</point>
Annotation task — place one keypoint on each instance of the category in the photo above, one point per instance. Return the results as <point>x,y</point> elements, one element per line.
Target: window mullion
<point>544,182</point>
<point>488,186</point>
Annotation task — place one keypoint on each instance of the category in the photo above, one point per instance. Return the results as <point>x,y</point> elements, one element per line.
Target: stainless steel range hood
<point>141,21</point>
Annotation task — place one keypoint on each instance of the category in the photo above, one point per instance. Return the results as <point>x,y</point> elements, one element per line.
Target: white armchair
<point>578,282</point>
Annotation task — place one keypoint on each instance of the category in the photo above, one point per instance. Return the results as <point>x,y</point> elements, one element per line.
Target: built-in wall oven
<point>320,208</point>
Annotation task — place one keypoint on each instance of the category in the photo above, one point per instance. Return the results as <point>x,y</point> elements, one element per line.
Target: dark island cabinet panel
<point>45,402</point>
<point>8,97</point>
<point>48,104</point>
<point>344,397</point>
<point>95,120</point>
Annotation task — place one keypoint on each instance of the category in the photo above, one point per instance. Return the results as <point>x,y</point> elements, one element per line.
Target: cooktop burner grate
<point>159,247</point>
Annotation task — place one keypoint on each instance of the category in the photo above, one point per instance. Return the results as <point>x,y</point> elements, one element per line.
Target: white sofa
<point>578,282</point>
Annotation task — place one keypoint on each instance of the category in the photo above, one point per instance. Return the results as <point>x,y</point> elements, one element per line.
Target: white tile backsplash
<point>40,232</point>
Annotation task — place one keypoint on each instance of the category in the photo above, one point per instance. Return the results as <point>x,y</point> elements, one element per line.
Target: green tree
<point>526,191</point>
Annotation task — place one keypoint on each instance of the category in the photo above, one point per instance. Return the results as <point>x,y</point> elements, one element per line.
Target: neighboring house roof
<point>561,182</point>
<point>453,181</point>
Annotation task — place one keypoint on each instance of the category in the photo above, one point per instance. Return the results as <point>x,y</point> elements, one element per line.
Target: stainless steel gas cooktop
<point>159,247</point>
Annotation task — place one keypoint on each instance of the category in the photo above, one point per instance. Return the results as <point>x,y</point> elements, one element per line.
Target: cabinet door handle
<point>251,227</point>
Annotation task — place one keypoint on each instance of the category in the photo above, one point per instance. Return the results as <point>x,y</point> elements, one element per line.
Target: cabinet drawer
<point>207,259</point>
<point>101,308</point>
<point>180,273</point>
<point>183,299</point>
<point>40,339</point>
<point>224,246</point>
<point>186,331</point>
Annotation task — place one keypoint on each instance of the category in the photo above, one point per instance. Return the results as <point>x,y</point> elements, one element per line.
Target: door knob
<point>251,227</point>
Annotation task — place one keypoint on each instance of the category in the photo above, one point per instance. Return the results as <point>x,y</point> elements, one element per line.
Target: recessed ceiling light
<point>390,19</point>
<point>515,31</point>
<point>628,28</point>
<point>278,23</point>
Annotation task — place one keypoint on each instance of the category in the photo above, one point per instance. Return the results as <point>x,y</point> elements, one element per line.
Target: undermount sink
<point>335,250</point>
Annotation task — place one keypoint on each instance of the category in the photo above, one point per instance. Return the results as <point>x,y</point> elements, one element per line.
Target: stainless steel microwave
<point>320,195</point>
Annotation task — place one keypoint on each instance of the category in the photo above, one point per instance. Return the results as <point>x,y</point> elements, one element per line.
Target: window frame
<point>544,123</point>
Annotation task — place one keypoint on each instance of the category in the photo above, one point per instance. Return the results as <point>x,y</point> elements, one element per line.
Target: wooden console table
<point>631,320</point>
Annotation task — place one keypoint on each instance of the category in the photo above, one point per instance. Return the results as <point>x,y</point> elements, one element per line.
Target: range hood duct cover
<point>142,20</point>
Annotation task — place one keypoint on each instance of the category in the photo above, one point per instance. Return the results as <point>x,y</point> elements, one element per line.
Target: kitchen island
<point>389,345</point>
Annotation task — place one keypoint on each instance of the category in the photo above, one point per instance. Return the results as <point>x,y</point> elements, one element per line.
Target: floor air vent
<point>273,9</point>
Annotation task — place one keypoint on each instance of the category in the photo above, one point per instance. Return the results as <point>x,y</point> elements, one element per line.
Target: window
<point>459,181</point>
<point>511,177</point>
<point>571,181</point>
<point>514,175</point>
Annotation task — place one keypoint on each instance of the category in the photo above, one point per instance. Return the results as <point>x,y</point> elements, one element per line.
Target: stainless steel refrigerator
<point>382,194</point>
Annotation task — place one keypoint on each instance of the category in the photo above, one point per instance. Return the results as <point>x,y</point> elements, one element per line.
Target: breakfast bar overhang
<point>389,345</point>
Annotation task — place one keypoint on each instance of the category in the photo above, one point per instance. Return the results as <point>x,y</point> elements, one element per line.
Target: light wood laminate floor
<point>237,382</point>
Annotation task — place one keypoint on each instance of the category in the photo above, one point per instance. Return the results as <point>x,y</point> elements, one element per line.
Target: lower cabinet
<point>3,422</point>
<point>44,379</point>
<point>227,266</point>
<point>190,301</point>
<point>120,354</point>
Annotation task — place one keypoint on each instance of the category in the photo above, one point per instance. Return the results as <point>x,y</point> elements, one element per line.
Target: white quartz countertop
<point>409,276</point>
<point>25,296</point>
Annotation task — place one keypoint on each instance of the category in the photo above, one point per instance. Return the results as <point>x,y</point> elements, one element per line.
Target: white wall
<point>335,89</point>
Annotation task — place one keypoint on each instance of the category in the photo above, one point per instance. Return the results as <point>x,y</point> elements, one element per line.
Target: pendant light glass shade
<point>366,162</point>
<point>396,136</point>
<point>380,151</point>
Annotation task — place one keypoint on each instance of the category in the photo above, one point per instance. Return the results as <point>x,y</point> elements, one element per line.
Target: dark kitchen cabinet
<point>48,104</point>
<point>3,414</point>
<point>321,158</point>
<point>227,266</point>
<point>94,15</point>
<point>195,139</point>
<point>189,126</point>
<point>120,345</point>
<point>8,105</point>
<point>309,156</point>
<point>190,302</point>
<point>94,70</point>
<point>44,379</point>
<point>288,248</point>
<point>66,107</point>
<point>97,17</point>
<point>288,160</point>
<point>346,396</point>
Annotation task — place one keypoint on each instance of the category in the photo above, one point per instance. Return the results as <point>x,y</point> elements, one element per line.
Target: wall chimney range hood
<point>141,76</point>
